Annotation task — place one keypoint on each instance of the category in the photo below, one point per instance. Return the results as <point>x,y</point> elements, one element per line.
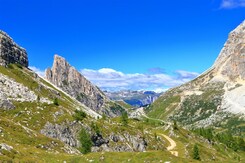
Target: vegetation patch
<point>79,115</point>
<point>162,107</point>
<point>86,142</point>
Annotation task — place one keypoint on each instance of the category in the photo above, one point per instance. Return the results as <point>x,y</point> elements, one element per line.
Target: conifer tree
<point>124,118</point>
<point>196,155</point>
<point>86,142</point>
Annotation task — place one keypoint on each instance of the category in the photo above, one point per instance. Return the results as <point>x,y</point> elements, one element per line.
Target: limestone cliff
<point>10,52</point>
<point>231,61</point>
<point>72,82</point>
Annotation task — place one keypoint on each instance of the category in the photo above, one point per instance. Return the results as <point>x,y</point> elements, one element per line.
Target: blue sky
<point>124,44</point>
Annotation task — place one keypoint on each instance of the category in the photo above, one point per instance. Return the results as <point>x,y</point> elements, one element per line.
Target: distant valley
<point>134,98</point>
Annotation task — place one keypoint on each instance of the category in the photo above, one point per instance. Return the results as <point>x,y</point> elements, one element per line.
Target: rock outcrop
<point>6,104</point>
<point>5,147</point>
<point>68,134</point>
<point>122,143</point>
<point>66,77</point>
<point>64,132</point>
<point>10,52</point>
<point>10,91</point>
<point>231,61</point>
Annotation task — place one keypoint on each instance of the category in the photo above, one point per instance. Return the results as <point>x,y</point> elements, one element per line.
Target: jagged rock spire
<point>66,77</point>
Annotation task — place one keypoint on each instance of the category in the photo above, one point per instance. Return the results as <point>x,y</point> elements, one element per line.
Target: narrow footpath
<point>172,145</point>
<point>171,141</point>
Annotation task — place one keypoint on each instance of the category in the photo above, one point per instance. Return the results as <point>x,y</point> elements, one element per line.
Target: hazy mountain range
<point>134,98</point>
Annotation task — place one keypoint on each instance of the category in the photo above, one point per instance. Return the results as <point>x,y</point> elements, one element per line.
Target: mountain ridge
<point>216,97</point>
<point>134,98</point>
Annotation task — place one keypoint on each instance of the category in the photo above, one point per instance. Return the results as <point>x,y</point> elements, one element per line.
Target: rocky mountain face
<point>66,77</point>
<point>215,98</point>
<point>231,61</point>
<point>134,98</point>
<point>32,121</point>
<point>10,52</point>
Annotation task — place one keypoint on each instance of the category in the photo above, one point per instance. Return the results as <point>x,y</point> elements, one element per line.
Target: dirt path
<point>172,145</point>
<point>171,141</point>
<point>142,113</point>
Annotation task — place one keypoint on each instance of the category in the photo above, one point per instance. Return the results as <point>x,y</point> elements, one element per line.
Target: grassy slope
<point>206,104</point>
<point>21,127</point>
<point>31,153</point>
<point>195,108</point>
<point>124,104</point>
<point>163,106</point>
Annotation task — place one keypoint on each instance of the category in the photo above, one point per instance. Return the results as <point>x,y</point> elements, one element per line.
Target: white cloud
<point>37,70</point>
<point>229,4</point>
<point>110,79</point>
<point>186,74</point>
<point>160,90</point>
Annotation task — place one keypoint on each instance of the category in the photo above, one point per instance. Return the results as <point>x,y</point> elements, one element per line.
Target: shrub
<point>103,116</point>
<point>155,136</point>
<point>95,128</point>
<point>38,98</point>
<point>175,126</point>
<point>19,65</point>
<point>79,115</point>
<point>124,118</point>
<point>86,142</point>
<point>230,141</point>
<point>241,143</point>
<point>10,66</point>
<point>206,133</point>
<point>56,102</point>
<point>78,98</point>
<point>65,82</point>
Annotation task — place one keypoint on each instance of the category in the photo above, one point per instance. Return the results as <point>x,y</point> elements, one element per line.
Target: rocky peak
<point>72,82</point>
<point>231,61</point>
<point>10,52</point>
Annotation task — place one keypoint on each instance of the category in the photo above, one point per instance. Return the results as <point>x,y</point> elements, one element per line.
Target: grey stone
<point>64,132</point>
<point>10,52</point>
<point>114,138</point>
<point>10,90</point>
<point>6,147</point>
<point>231,60</point>
<point>98,140</point>
<point>6,105</point>
<point>66,77</point>
<point>128,143</point>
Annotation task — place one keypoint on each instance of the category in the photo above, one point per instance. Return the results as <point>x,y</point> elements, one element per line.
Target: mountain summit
<point>10,52</point>
<point>231,61</point>
<point>216,97</point>
<point>66,77</point>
